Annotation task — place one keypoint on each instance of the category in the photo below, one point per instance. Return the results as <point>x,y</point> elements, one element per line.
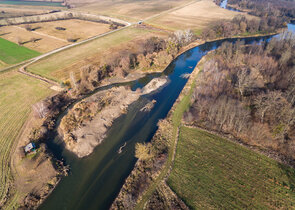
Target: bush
<point>60,28</point>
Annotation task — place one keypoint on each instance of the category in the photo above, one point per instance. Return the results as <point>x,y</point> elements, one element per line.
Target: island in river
<point>86,124</point>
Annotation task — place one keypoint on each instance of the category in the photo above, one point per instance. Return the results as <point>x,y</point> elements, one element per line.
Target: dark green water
<point>32,3</point>
<point>96,180</point>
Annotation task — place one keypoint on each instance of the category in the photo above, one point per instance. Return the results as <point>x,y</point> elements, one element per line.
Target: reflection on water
<point>291,27</point>
<point>223,5</point>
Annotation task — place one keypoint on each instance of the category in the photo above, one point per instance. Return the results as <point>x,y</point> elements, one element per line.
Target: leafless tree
<point>73,80</point>
<point>40,109</point>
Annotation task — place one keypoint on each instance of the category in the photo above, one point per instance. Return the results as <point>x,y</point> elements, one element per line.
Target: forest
<point>240,25</point>
<point>249,92</point>
<point>267,8</point>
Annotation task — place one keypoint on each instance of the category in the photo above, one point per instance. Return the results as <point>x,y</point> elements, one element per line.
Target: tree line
<point>153,52</point>
<point>240,25</point>
<point>267,8</point>
<point>249,92</point>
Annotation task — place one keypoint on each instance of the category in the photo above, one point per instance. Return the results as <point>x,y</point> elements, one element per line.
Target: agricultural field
<point>59,65</point>
<point>18,92</point>
<point>195,16</point>
<point>45,37</point>
<point>130,10</point>
<point>75,29</point>
<point>11,53</point>
<point>211,172</point>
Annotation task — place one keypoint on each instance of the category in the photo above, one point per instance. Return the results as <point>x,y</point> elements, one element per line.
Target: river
<point>32,3</point>
<point>95,181</point>
<point>224,5</point>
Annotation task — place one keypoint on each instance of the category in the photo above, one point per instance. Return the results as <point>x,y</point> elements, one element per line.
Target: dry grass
<point>18,92</point>
<point>196,16</point>
<point>131,10</point>
<point>16,33</point>
<point>58,66</point>
<point>50,37</point>
<point>74,28</point>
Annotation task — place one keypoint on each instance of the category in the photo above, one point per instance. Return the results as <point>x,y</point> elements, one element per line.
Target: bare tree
<point>73,80</point>
<point>40,109</point>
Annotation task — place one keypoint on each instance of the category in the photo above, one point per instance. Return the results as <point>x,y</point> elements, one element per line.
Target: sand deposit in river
<point>86,124</point>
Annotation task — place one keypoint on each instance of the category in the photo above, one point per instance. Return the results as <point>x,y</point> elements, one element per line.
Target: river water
<point>223,5</point>
<point>95,181</point>
<point>32,3</point>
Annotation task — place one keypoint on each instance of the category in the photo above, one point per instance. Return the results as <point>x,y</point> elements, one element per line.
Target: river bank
<point>130,196</point>
<point>49,173</point>
<point>197,43</point>
<point>129,191</point>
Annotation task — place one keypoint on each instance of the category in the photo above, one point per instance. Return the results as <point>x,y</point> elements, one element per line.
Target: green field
<point>211,172</point>
<point>17,94</point>
<point>12,53</point>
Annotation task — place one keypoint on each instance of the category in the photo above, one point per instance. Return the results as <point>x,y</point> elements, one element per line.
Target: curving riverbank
<point>86,124</point>
<point>132,127</point>
<point>129,127</point>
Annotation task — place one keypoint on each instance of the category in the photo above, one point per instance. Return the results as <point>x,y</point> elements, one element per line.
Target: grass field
<point>12,53</point>
<point>214,173</point>
<point>195,16</point>
<point>17,93</point>
<point>49,38</point>
<point>43,45</point>
<point>79,29</point>
<point>58,66</point>
<point>130,10</point>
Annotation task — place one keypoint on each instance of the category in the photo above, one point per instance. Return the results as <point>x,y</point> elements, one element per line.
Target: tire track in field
<point>42,34</point>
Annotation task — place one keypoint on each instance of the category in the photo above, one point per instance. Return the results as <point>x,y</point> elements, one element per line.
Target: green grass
<point>17,94</point>
<point>212,172</point>
<point>12,53</point>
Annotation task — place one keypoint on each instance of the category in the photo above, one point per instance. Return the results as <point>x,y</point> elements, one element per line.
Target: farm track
<point>22,69</point>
